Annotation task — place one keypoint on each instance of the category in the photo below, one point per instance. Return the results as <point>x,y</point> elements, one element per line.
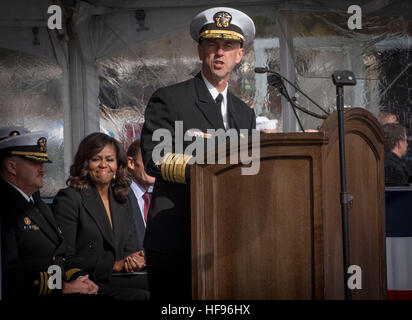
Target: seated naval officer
<point>31,241</point>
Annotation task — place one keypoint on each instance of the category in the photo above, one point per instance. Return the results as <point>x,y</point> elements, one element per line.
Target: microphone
<point>261,70</point>
<point>265,70</point>
<point>275,79</point>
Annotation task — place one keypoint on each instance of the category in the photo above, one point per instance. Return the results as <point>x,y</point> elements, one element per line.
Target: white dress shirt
<point>213,91</point>
<point>139,192</point>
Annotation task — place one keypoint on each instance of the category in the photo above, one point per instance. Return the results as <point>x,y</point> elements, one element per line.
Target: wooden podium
<point>277,234</point>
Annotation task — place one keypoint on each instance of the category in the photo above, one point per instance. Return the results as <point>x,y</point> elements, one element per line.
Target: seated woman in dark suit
<point>95,217</point>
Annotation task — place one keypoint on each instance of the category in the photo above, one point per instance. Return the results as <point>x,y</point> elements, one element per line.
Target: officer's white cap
<point>18,141</point>
<point>223,23</point>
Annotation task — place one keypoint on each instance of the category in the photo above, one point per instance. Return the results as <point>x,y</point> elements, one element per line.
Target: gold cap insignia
<point>42,142</point>
<point>222,19</point>
<point>27,221</point>
<point>14,133</point>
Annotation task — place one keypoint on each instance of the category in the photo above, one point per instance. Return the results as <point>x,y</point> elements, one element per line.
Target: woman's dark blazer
<point>91,243</point>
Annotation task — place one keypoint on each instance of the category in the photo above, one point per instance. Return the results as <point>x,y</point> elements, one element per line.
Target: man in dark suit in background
<point>200,103</point>
<point>396,146</point>
<point>141,190</point>
<point>31,241</point>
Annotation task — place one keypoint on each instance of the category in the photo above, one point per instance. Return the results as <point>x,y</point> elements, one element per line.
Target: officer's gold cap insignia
<point>27,220</point>
<point>42,142</point>
<point>14,133</point>
<point>222,19</point>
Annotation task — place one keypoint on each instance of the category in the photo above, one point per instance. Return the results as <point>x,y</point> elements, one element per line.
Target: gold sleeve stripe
<point>164,165</point>
<point>177,167</point>
<point>178,171</point>
<point>173,167</point>
<point>71,272</point>
<point>183,170</point>
<point>181,176</point>
<point>167,165</point>
<point>46,284</point>
<point>169,172</point>
<point>42,283</point>
<point>224,34</point>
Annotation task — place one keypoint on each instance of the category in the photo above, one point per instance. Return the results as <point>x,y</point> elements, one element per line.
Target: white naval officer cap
<point>18,141</point>
<point>223,23</point>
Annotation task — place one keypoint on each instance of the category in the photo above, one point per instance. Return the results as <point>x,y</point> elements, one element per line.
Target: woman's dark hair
<point>79,171</point>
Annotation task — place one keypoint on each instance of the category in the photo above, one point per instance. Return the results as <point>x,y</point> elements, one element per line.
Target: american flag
<point>399,242</point>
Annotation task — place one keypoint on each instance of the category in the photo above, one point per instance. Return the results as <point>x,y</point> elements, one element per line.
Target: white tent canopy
<point>118,52</point>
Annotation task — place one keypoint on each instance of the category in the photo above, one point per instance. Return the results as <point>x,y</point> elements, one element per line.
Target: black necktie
<point>219,100</point>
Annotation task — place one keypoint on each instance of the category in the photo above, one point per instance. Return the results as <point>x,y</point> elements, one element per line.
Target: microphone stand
<point>278,83</point>
<point>340,79</point>
<point>276,78</point>
<point>297,89</point>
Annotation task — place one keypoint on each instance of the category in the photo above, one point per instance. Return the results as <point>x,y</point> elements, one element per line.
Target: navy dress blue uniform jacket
<point>31,243</point>
<point>168,225</point>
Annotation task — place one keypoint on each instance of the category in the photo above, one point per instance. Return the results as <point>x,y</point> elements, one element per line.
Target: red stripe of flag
<point>399,295</point>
